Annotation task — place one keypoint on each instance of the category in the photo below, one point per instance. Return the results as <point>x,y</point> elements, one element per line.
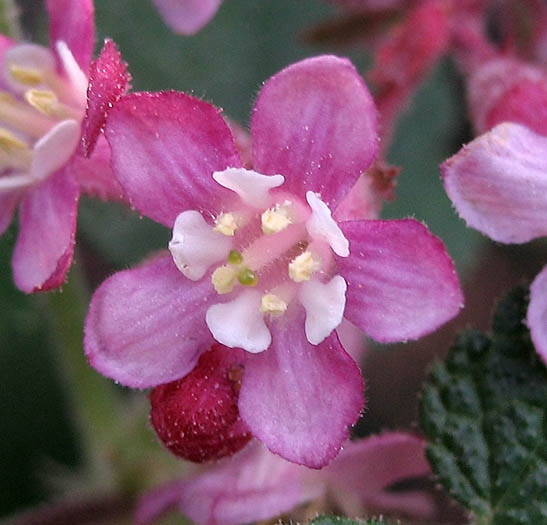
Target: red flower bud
<point>197,417</point>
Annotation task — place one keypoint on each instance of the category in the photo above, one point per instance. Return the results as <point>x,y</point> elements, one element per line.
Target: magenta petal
<point>72,22</point>
<point>315,123</point>
<point>94,174</point>
<point>165,149</point>
<point>300,399</point>
<point>401,282</point>
<point>187,16</point>
<point>8,203</point>
<point>360,475</point>
<point>498,183</point>
<point>108,81</point>
<point>537,314</point>
<point>146,326</point>
<point>47,226</point>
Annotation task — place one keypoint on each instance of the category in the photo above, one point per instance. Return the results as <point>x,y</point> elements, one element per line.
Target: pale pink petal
<point>94,174</point>
<point>157,501</point>
<point>299,399</point>
<point>8,203</point>
<point>361,474</point>
<point>47,225</point>
<point>537,314</point>
<point>146,326</point>
<point>401,282</point>
<point>252,485</point>
<point>108,81</point>
<point>244,143</point>
<point>165,149</point>
<point>187,16</point>
<point>72,22</point>
<point>353,340</point>
<point>498,183</point>
<point>315,123</point>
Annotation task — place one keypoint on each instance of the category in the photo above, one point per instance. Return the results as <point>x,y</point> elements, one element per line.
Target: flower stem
<point>9,20</point>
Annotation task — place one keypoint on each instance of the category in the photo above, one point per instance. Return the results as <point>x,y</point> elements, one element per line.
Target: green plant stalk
<point>9,20</point>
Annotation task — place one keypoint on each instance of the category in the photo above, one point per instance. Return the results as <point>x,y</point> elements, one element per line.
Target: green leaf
<point>337,520</point>
<point>484,412</point>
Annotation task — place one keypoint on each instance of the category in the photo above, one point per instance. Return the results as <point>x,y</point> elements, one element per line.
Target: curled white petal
<point>77,77</point>
<point>195,246</point>
<point>321,225</point>
<point>54,149</point>
<point>324,305</point>
<point>252,187</point>
<point>239,323</point>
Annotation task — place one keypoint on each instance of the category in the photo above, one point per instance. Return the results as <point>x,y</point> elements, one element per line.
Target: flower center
<point>268,254</point>
<point>40,116</point>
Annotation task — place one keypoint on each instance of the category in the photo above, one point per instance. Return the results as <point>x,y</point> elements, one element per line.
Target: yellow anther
<point>223,279</point>
<point>275,219</point>
<point>247,277</point>
<point>44,101</point>
<point>26,75</point>
<point>10,143</point>
<point>302,267</point>
<point>226,223</point>
<point>273,305</point>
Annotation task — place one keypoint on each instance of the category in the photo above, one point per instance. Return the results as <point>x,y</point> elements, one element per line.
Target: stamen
<point>273,305</point>
<point>247,277</point>
<point>223,279</point>
<point>226,223</point>
<point>276,219</point>
<point>9,142</point>
<point>26,75</point>
<point>23,118</point>
<point>302,267</point>
<point>47,103</point>
<point>235,258</point>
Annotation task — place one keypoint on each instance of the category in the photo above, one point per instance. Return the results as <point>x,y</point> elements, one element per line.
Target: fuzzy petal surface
<point>299,399</point>
<point>165,148</point>
<point>537,314</point>
<point>146,326</point>
<point>187,16</point>
<point>401,282</point>
<point>47,226</point>
<point>363,471</point>
<point>108,81</point>
<point>498,183</point>
<point>253,485</point>
<point>72,22</point>
<point>315,123</point>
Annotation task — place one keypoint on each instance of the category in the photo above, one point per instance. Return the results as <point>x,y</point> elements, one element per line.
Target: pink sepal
<point>187,16</point>
<point>537,314</point>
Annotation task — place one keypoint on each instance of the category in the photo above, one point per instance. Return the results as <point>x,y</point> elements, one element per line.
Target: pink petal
<point>537,314</point>
<point>315,123</point>
<point>146,326</point>
<point>187,16</point>
<point>498,183</point>
<point>72,22</point>
<point>8,203</point>
<point>108,81</point>
<point>94,174</point>
<point>401,282</point>
<point>299,399</point>
<point>165,149</point>
<point>47,225</point>
<point>253,485</point>
<point>353,340</point>
<point>360,475</point>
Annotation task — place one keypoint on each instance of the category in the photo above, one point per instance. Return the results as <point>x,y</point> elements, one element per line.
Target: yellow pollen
<point>223,279</point>
<point>44,101</point>
<point>26,75</point>
<point>10,143</point>
<point>226,223</point>
<point>275,219</point>
<point>302,267</point>
<point>273,305</point>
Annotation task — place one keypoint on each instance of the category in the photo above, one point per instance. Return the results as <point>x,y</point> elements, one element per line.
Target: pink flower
<point>258,485</point>
<point>187,16</point>
<point>42,118</point>
<point>259,260</point>
<point>498,184</point>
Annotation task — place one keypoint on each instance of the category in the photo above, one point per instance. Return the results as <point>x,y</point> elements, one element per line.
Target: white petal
<point>239,323</point>
<point>54,149</point>
<point>28,56</point>
<point>77,77</point>
<point>195,246</point>
<point>251,186</point>
<point>321,225</point>
<point>324,304</point>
